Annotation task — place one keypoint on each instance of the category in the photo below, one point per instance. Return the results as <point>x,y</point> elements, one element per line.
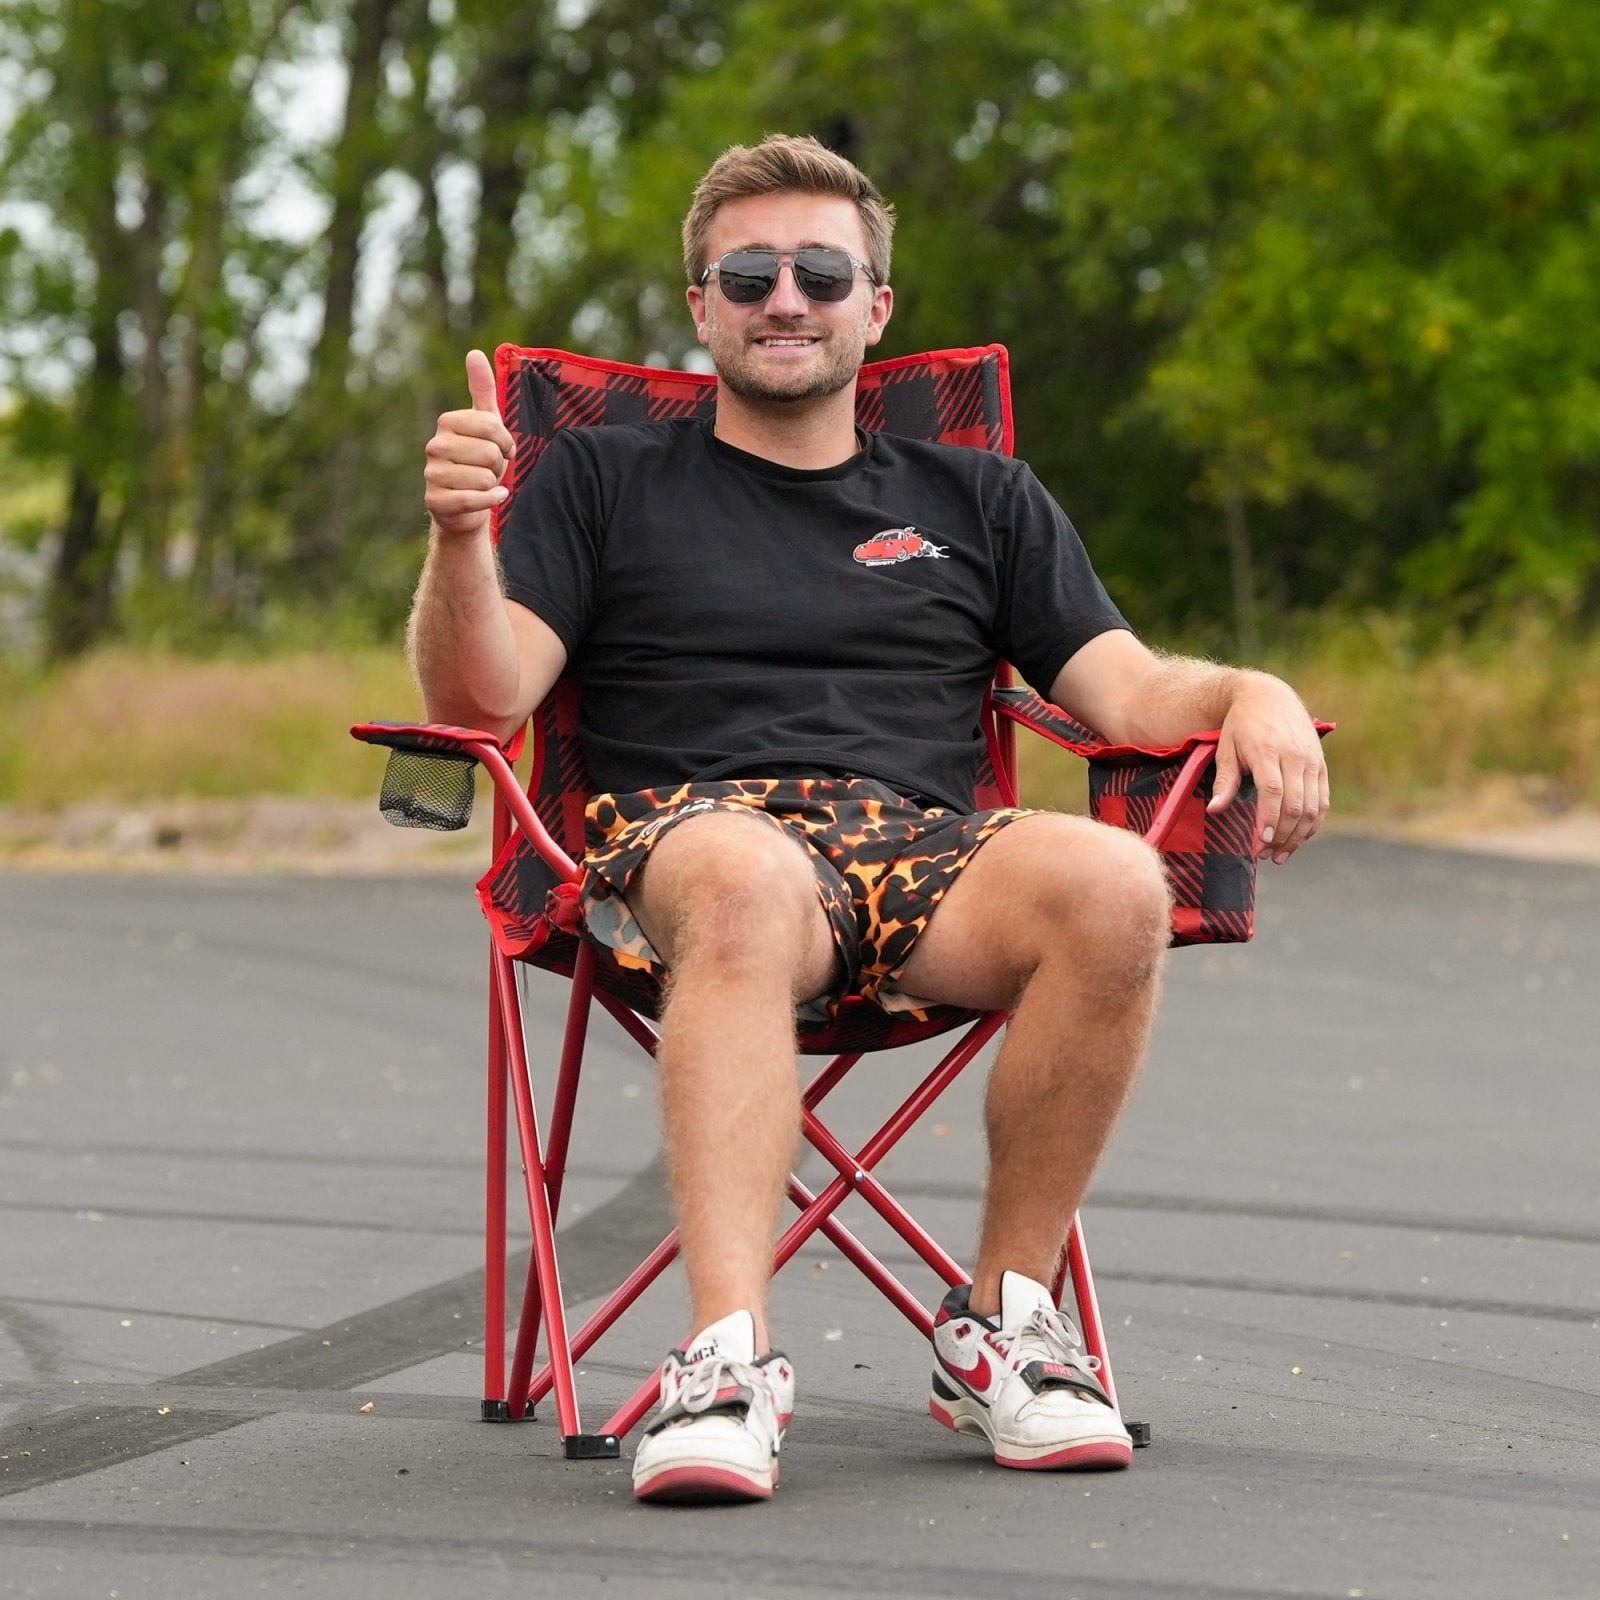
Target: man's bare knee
<point>1132,882</point>
<point>1107,902</point>
<point>1082,892</point>
<point>725,886</point>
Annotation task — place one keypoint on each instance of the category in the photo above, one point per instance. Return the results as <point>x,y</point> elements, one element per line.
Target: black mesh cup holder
<point>427,790</point>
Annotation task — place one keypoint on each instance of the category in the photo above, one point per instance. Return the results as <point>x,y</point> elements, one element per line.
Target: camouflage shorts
<point>882,863</point>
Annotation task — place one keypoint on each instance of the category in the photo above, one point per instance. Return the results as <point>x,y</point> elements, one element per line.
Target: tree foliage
<point>1301,294</point>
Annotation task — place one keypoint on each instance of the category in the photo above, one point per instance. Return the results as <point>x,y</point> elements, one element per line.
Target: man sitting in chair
<point>785,740</point>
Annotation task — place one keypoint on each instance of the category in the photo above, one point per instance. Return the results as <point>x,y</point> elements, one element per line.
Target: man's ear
<point>696,296</point>
<point>882,310</point>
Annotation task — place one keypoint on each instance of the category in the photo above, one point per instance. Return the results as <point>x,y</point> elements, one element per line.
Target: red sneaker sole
<point>705,1484</point>
<point>1101,1456</point>
<point>1097,1455</point>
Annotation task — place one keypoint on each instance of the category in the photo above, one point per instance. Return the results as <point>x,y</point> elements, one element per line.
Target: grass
<point>1507,719</point>
<point>134,727</point>
<point>1495,729</point>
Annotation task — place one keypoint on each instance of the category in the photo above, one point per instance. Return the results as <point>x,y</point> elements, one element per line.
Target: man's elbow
<point>466,711</point>
<point>447,700</point>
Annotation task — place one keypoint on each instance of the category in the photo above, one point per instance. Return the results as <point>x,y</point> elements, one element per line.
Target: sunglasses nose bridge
<point>786,289</point>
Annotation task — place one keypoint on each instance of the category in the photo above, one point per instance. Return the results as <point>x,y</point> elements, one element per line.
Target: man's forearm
<point>460,642</point>
<point>1184,694</point>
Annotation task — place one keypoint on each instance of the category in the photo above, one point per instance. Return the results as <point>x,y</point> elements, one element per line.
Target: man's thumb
<point>480,382</point>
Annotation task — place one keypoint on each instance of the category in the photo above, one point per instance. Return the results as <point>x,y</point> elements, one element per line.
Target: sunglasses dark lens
<point>748,276</point>
<point>824,275</point>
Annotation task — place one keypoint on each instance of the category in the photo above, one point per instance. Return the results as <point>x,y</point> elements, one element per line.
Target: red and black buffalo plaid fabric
<point>953,396</point>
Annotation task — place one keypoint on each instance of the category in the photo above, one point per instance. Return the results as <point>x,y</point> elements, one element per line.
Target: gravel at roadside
<point>277,833</point>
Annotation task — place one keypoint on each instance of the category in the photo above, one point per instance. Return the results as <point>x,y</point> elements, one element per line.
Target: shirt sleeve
<point>550,539</point>
<point>1051,601</point>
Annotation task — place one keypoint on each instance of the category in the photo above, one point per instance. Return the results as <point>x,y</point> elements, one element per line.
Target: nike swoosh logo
<point>978,1376</point>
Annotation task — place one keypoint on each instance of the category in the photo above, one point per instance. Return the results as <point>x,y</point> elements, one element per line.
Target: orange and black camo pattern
<point>882,863</point>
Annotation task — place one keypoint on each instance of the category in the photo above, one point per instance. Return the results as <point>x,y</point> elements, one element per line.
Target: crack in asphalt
<point>41,1445</point>
<point>11,1305</point>
<point>1589,1316</point>
<point>47,1446</point>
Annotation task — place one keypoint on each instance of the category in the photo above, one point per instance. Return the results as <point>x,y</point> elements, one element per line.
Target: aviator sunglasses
<point>747,277</point>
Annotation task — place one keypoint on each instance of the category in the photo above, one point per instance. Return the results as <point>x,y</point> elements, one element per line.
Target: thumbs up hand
<point>467,457</point>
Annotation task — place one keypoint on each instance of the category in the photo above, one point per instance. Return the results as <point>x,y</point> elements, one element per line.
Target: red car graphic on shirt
<point>897,544</point>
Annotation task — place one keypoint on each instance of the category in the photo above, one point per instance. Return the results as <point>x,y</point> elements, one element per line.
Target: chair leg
<point>1075,1268</point>
<point>853,1171</point>
<point>817,1213</point>
<point>869,1266</point>
<point>495,1405</point>
<point>522,1399</point>
<point>545,1268</point>
<point>855,1175</point>
<point>580,994</point>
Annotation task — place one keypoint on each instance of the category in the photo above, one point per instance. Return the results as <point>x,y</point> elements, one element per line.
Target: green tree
<point>1301,296</point>
<point>146,288</point>
<point>1369,241</point>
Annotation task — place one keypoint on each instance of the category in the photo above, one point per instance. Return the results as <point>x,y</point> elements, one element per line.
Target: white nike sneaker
<point>722,1418</point>
<point>1024,1383</point>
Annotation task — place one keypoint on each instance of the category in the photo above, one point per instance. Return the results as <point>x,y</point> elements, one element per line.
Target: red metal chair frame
<point>1161,794</point>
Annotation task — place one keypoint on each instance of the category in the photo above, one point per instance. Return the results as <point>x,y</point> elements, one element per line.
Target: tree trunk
<point>1241,572</point>
<point>152,513</point>
<point>503,96</point>
<point>358,159</point>
<point>320,508</point>
<point>79,604</point>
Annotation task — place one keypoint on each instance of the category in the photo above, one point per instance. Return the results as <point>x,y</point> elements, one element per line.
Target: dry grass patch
<point>133,727</point>
<point>1498,730</point>
<point>1495,730</point>
<point>1500,727</point>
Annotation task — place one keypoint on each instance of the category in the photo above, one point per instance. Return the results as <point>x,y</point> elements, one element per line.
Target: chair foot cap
<point>1139,1432</point>
<point>592,1446</point>
<point>499,1411</point>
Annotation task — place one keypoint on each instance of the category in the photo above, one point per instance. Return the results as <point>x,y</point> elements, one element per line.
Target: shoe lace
<point>705,1379</point>
<point>1050,1335</point>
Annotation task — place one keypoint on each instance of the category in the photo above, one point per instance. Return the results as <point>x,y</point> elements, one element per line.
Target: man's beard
<point>736,362</point>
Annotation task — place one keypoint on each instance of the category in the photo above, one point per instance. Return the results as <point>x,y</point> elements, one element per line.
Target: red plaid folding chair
<point>531,900</point>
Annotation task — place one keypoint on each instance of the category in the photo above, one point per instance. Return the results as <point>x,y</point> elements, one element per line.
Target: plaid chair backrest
<point>950,396</point>
<point>957,397</point>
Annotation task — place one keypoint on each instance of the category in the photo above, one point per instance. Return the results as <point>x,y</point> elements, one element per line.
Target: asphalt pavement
<point>1347,1245</point>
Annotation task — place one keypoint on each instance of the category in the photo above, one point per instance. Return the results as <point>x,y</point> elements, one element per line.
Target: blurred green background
<point>1303,301</point>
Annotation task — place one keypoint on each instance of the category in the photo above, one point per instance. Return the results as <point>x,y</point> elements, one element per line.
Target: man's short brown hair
<point>786,163</point>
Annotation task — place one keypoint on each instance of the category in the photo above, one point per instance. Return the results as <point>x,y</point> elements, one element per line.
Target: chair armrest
<point>433,738</point>
<point>1162,795</point>
<point>1192,758</point>
<point>428,782</point>
<point>1034,712</point>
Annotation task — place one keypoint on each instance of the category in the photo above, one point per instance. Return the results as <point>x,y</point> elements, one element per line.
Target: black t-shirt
<point>729,617</point>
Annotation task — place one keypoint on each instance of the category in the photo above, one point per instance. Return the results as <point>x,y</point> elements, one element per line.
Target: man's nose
<point>786,300</point>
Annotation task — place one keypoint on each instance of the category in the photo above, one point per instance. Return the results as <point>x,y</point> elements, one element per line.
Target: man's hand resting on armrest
<point>1134,695</point>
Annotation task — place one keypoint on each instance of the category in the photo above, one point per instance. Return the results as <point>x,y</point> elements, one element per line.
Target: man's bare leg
<point>731,907</point>
<point>1065,921</point>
